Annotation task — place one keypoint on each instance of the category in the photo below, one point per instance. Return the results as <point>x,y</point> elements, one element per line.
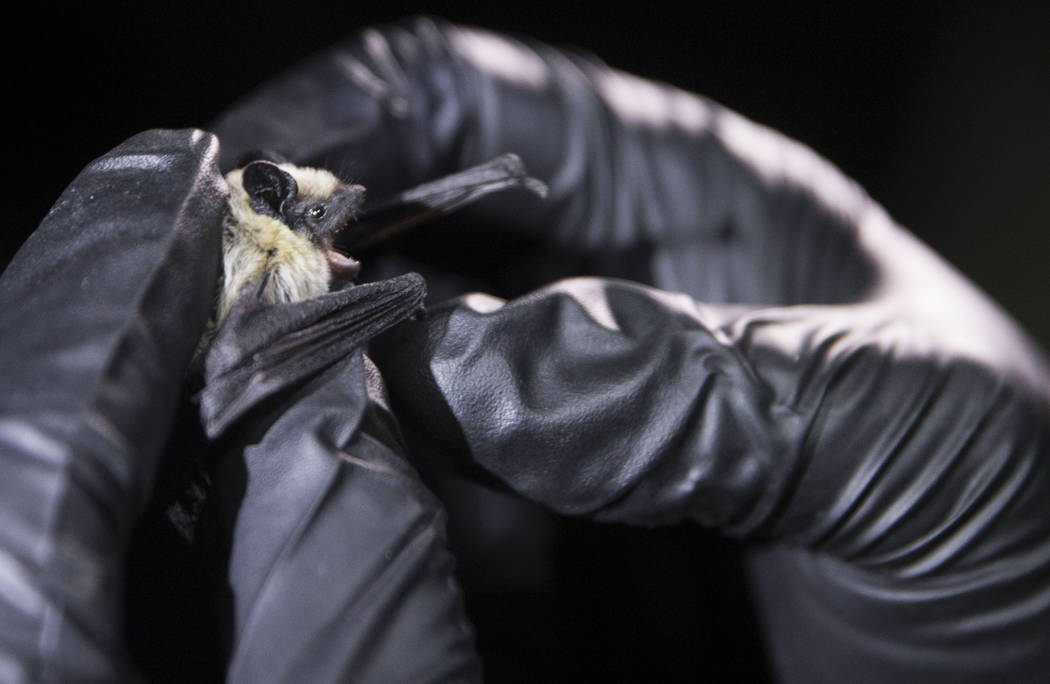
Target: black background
<point>940,110</point>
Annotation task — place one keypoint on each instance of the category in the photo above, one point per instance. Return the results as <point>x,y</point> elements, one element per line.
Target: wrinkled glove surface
<point>820,383</point>
<point>329,558</point>
<point>99,314</point>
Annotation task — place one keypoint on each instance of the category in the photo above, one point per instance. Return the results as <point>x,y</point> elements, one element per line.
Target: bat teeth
<point>341,266</point>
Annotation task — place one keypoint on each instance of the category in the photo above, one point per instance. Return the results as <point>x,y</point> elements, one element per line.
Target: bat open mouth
<point>342,267</point>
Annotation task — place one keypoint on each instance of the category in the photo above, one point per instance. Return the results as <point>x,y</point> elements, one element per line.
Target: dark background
<point>940,110</point>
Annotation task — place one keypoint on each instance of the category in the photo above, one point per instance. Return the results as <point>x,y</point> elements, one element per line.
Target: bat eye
<point>317,211</point>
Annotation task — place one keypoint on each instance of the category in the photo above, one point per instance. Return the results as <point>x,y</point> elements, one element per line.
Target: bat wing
<point>263,349</point>
<point>379,219</point>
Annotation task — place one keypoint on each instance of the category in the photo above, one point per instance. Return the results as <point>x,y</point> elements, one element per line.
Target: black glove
<point>99,313</point>
<point>328,553</point>
<point>844,399</point>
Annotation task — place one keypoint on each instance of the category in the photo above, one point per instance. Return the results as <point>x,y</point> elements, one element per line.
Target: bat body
<point>279,231</point>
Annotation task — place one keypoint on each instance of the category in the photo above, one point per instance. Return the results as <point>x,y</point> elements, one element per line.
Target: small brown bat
<point>278,249</point>
<point>283,220</point>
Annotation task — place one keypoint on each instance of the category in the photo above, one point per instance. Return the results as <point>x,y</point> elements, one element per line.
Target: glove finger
<point>646,181</point>
<point>100,312</point>
<point>578,394</point>
<point>338,564</point>
<point>598,398</point>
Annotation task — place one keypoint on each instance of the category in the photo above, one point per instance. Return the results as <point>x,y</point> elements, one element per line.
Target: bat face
<point>312,202</point>
<point>279,233</point>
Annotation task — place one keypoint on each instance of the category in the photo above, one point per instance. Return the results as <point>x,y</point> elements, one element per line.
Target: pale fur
<point>314,183</point>
<point>254,244</point>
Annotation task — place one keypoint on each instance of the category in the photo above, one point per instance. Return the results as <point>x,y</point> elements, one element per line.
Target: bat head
<point>312,202</point>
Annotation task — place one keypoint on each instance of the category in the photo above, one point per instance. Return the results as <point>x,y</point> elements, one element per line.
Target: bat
<point>288,305</point>
<point>283,220</point>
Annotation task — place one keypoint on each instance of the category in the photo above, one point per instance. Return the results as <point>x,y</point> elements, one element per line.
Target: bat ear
<point>268,187</point>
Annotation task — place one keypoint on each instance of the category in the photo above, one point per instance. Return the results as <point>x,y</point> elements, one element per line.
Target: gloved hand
<point>821,384</point>
<point>99,314</point>
<point>329,553</point>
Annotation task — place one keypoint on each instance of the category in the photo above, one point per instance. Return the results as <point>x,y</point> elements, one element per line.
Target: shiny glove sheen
<point>330,555</point>
<point>99,314</point>
<point>821,384</point>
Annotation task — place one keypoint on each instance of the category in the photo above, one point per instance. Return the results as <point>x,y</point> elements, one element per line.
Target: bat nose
<point>355,196</point>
